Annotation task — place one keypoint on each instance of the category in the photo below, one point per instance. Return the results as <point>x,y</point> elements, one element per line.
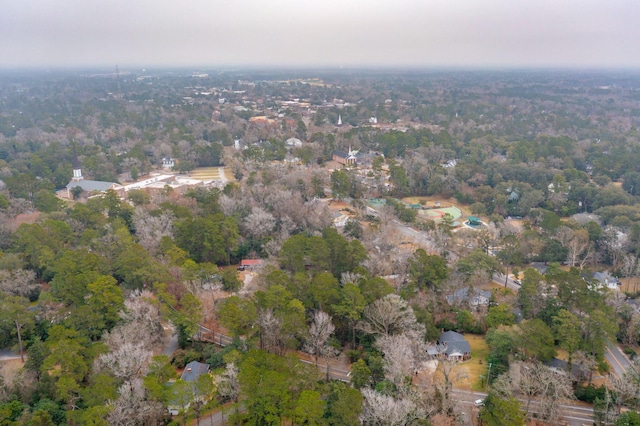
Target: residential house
<point>451,345</point>
<point>190,375</point>
<point>473,297</point>
<point>250,264</point>
<point>559,366</point>
<point>607,280</point>
<point>541,267</point>
<point>168,163</point>
<point>193,371</point>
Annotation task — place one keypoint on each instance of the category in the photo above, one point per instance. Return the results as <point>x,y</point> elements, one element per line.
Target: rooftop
<point>193,370</point>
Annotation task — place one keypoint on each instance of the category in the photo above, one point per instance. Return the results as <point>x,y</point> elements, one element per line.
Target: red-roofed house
<point>250,264</point>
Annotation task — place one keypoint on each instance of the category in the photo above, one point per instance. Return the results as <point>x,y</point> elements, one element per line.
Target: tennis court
<point>436,214</point>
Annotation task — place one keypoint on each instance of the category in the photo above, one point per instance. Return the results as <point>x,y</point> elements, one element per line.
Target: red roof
<point>251,262</point>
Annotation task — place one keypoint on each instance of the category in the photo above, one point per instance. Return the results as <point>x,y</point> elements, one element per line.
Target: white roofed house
<point>168,163</point>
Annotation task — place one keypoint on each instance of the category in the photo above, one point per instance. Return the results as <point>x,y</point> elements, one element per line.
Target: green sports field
<point>436,214</point>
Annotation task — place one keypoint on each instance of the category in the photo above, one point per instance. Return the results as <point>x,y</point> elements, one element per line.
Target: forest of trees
<point>91,288</point>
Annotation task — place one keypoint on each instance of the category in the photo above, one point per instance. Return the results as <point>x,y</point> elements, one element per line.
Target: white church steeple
<point>77,171</point>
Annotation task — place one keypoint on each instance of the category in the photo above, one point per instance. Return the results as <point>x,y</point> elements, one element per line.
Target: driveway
<point>6,355</point>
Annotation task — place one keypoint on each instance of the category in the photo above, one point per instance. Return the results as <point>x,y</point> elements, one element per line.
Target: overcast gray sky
<point>396,33</point>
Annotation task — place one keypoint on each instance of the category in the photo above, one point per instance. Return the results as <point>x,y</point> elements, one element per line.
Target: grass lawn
<point>630,285</point>
<point>477,365</point>
<point>228,173</point>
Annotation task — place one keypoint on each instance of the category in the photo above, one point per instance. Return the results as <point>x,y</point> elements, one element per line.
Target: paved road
<point>499,278</point>
<point>220,417</point>
<point>617,359</point>
<point>575,415</point>
<point>172,343</point>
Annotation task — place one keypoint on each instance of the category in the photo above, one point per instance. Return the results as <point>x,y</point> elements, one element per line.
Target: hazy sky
<point>395,33</point>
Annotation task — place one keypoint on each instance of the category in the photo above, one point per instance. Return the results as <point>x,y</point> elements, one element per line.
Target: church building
<point>88,186</point>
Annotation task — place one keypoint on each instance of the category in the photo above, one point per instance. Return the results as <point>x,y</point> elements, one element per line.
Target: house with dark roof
<point>607,280</point>
<point>541,267</point>
<point>559,366</point>
<point>193,370</point>
<point>474,297</point>
<point>346,158</point>
<point>455,345</point>
<point>451,345</point>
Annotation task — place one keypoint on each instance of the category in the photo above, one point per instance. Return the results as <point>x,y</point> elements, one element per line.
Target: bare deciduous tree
<point>269,330</point>
<point>150,229</point>
<point>627,387</point>
<point>133,408</point>
<point>259,223</point>
<point>228,384</point>
<point>442,419</point>
<point>379,409</point>
<point>402,357</point>
<point>390,315</point>
<point>233,205</point>
<point>586,363</point>
<point>631,269</point>
<point>349,277</point>
<point>535,381</point>
<point>18,282</point>
<point>579,247</point>
<point>615,244</point>
<point>142,319</point>
<point>126,362</point>
<point>448,376</point>
<point>321,329</point>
